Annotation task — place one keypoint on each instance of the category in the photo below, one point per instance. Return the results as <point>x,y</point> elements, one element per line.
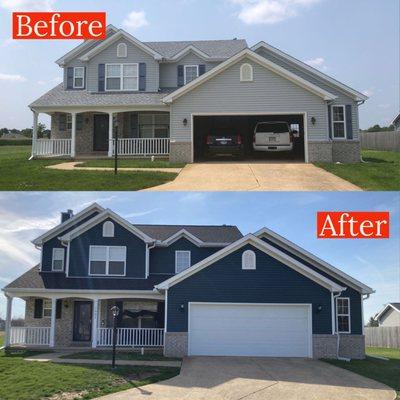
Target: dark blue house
<point>191,290</point>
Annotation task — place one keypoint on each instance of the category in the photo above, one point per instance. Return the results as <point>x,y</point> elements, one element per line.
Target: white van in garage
<point>272,136</point>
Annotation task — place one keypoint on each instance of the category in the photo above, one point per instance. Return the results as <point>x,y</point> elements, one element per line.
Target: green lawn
<point>130,163</point>
<point>1,338</point>
<point>18,173</point>
<point>121,355</point>
<point>387,372</point>
<point>380,171</point>
<point>24,380</point>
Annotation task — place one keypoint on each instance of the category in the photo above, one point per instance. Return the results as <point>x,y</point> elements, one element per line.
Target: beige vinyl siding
<point>342,97</point>
<point>390,318</point>
<point>268,93</point>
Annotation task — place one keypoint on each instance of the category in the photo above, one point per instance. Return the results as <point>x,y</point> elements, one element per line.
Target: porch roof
<point>58,97</point>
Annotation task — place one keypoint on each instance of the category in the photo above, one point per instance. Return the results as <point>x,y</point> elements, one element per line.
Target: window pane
<point>146,131</point>
<point>130,83</point>
<point>116,268</point>
<point>161,131</point>
<point>130,70</point>
<point>57,265</point>
<point>343,306</point>
<point>117,253</point>
<point>113,70</point>
<point>79,72</point>
<point>343,323</point>
<point>98,267</point>
<point>191,73</point>
<point>338,114</point>
<point>46,312</point>
<point>182,260</point>
<point>338,129</point>
<point>113,83</point>
<point>145,119</point>
<point>98,253</point>
<point>78,82</point>
<point>161,119</point>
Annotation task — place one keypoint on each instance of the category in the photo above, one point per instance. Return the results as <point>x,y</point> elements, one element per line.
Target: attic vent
<point>108,229</point>
<point>246,73</point>
<point>249,260</point>
<point>122,50</point>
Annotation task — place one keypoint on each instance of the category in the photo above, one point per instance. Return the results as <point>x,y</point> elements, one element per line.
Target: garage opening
<point>226,137</point>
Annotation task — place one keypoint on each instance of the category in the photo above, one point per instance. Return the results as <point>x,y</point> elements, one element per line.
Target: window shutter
<point>62,122</point>
<point>134,125</point>
<point>84,78</point>
<point>102,77</point>
<point>70,77</point>
<point>79,122</point>
<point>349,122</point>
<point>202,69</point>
<point>120,305</point>
<point>142,77</point>
<point>58,309</point>
<point>180,75</point>
<point>38,311</point>
<point>330,121</point>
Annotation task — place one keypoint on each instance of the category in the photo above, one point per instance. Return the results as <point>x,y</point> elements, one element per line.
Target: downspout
<point>148,248</point>
<point>335,296</point>
<point>360,103</point>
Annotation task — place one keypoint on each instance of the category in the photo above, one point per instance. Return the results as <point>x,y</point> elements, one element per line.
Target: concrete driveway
<point>246,176</point>
<point>236,378</point>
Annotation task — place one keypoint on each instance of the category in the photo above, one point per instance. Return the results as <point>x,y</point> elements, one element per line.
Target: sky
<point>375,262</point>
<point>355,41</point>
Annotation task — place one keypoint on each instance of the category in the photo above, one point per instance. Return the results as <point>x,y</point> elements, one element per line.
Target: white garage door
<point>269,330</point>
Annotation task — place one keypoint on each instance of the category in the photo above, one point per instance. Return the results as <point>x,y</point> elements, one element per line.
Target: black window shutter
<point>202,69</point>
<point>134,125</point>
<point>84,78</point>
<point>349,122</point>
<point>180,75</point>
<point>102,77</point>
<point>62,122</point>
<point>330,121</point>
<point>142,77</point>
<point>70,77</point>
<point>38,311</point>
<point>58,309</point>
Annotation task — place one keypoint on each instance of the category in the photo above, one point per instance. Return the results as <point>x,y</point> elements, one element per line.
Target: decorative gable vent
<point>246,73</point>
<point>108,229</point>
<point>122,50</point>
<point>249,259</point>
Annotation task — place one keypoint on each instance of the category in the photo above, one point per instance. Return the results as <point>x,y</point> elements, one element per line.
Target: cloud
<point>269,11</point>
<point>135,20</point>
<point>318,63</point>
<point>12,78</point>
<point>141,213</point>
<point>27,5</point>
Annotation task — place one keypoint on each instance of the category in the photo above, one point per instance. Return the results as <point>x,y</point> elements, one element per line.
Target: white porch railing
<point>37,336</point>
<point>52,147</point>
<point>142,146</point>
<point>133,337</point>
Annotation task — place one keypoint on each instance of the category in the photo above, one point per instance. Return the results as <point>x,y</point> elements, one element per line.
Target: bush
<point>15,142</point>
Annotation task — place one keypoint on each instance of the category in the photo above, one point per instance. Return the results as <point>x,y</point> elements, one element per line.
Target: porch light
<point>182,307</point>
<point>319,308</point>
<point>184,121</point>
<point>115,311</point>
<point>313,120</point>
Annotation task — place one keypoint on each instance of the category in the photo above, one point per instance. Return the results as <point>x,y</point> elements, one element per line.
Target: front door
<point>82,321</point>
<point>100,132</point>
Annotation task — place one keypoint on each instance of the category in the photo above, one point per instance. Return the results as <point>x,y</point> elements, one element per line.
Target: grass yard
<point>25,380</point>
<point>121,355</point>
<point>1,338</point>
<point>380,171</point>
<point>130,163</point>
<point>18,173</point>
<point>387,372</point>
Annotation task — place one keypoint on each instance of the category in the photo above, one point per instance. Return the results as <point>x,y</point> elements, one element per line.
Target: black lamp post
<point>115,312</point>
<point>116,152</point>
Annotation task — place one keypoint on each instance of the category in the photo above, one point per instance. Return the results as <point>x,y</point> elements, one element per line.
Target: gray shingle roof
<point>396,305</point>
<point>60,97</point>
<point>213,48</point>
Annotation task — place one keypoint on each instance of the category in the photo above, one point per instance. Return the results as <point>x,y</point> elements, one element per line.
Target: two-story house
<point>189,290</point>
<point>164,98</point>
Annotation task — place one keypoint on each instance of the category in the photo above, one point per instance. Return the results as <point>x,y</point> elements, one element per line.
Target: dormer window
<point>182,260</point>
<point>108,229</point>
<point>122,50</point>
<point>249,259</point>
<point>191,72</point>
<point>246,73</point>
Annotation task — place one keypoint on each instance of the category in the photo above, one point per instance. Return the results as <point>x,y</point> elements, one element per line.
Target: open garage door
<point>221,126</point>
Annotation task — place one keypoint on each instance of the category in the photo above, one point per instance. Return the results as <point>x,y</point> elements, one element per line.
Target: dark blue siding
<point>355,297</point>
<point>162,259</point>
<point>47,248</point>
<point>135,254</point>
<point>271,282</point>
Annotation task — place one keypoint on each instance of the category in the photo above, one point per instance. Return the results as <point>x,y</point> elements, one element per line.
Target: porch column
<point>95,322</point>
<point>73,134</point>
<point>34,133</point>
<point>53,322</point>
<point>110,134</point>
<point>8,321</point>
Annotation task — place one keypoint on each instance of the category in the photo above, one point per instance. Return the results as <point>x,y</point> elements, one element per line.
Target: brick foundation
<point>180,152</point>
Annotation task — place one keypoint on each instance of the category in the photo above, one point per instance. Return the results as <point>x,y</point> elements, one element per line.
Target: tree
<point>372,322</point>
<point>41,128</point>
<point>378,128</point>
<point>3,131</point>
<point>27,132</point>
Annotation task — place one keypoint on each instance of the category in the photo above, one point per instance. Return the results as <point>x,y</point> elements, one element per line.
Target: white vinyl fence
<point>132,337</point>
<point>142,146</point>
<point>30,336</point>
<point>52,147</point>
<point>386,141</point>
<point>383,336</point>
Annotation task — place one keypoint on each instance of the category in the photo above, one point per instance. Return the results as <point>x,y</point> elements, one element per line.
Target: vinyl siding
<point>268,93</point>
<point>390,318</point>
<point>342,97</point>
<point>271,282</point>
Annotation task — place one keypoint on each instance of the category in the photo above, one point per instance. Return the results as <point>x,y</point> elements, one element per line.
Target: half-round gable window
<point>246,73</point>
<point>122,50</point>
<point>108,229</point>
<point>249,259</point>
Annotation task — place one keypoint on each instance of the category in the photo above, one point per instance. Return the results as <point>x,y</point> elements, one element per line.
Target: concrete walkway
<point>255,176</point>
<point>228,378</point>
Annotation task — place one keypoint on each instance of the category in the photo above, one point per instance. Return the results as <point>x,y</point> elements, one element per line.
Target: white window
<point>108,229</point>
<point>182,260</point>
<point>153,125</point>
<point>191,72</point>
<point>249,259</point>
<point>338,122</point>
<point>122,77</point>
<point>343,314</point>
<point>246,73</point>
<point>79,76</point>
<point>107,260</point>
<point>122,50</point>
<point>46,308</point>
<point>58,259</point>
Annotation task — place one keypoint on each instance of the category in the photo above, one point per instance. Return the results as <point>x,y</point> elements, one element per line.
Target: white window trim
<point>121,77</point>
<point>120,45</point>
<point>113,229</point>
<point>184,72</point>
<point>343,315</point>
<point>83,78</point>
<point>107,261</point>
<point>46,308</point>
<point>241,72</point>
<point>52,259</point>
<point>344,122</point>
<point>176,258</point>
<point>255,260</point>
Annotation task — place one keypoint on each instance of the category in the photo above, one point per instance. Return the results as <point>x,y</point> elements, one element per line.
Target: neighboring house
<point>396,123</point>
<point>163,98</point>
<point>390,315</point>
<point>193,290</point>
<point>2,324</point>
